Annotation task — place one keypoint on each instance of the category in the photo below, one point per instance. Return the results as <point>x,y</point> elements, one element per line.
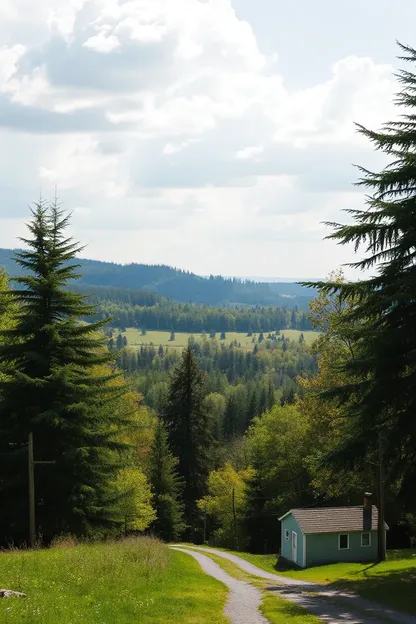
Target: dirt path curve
<point>243,602</point>
<point>331,606</point>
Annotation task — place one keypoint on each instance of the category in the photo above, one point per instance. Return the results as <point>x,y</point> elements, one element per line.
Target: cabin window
<point>343,541</point>
<point>286,535</point>
<point>365,539</point>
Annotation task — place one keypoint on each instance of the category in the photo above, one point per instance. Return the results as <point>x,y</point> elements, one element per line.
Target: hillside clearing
<point>136,339</point>
<point>135,580</point>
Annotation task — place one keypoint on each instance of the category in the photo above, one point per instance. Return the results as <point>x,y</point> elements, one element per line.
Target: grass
<point>279,611</point>
<point>135,580</point>
<point>276,609</point>
<point>391,582</point>
<point>135,338</point>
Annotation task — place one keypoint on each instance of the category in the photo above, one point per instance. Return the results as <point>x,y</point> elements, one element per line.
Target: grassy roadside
<point>274,608</point>
<point>391,583</point>
<point>136,580</point>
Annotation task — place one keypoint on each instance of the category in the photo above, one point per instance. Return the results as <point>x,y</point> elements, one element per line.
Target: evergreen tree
<point>189,429</point>
<point>380,396</point>
<point>231,418</point>
<point>124,341</point>
<point>293,320</point>
<point>166,488</point>
<point>119,342</point>
<point>172,336</point>
<point>59,388</point>
<point>222,336</point>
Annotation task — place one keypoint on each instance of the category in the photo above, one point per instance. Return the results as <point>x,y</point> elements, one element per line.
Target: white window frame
<point>287,535</point>
<point>339,541</point>
<point>369,541</point>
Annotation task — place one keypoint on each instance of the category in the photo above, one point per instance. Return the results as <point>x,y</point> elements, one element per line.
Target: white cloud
<point>168,117</point>
<point>101,43</point>
<point>249,152</point>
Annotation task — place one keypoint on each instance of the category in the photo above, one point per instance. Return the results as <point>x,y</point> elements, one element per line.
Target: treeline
<point>167,316</point>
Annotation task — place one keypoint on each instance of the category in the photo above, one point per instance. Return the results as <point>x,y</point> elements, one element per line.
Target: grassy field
<point>392,582</point>
<point>135,339</point>
<point>135,580</point>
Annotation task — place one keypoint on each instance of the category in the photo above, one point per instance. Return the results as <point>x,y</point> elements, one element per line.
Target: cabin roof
<point>332,519</point>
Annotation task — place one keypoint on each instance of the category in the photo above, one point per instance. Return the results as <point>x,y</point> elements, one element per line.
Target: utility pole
<point>234,522</point>
<point>32,518</point>
<point>205,527</point>
<point>381,555</point>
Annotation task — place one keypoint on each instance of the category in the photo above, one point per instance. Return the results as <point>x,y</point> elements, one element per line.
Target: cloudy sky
<point>212,135</point>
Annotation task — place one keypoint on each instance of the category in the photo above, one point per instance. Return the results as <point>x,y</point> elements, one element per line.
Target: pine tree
<point>380,396</point>
<point>166,488</point>
<point>58,387</point>
<point>189,429</point>
<point>119,342</point>
<point>231,418</point>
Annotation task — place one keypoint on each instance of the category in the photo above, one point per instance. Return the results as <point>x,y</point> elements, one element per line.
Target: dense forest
<point>240,383</point>
<point>148,311</point>
<point>182,285</point>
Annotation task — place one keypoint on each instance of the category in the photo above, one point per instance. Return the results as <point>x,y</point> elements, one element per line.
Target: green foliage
<point>166,487</point>
<point>190,430</point>
<point>226,502</point>
<point>58,385</point>
<point>380,392</point>
<point>278,443</point>
<point>135,500</point>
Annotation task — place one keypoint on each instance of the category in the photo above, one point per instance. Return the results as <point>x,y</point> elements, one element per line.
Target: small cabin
<point>318,536</point>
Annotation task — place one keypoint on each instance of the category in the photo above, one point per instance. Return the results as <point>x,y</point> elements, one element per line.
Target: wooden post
<point>32,517</point>
<point>32,525</point>
<point>381,555</point>
<point>204,538</point>
<point>235,522</point>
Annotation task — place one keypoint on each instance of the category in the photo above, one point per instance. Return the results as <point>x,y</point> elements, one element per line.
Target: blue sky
<point>212,135</point>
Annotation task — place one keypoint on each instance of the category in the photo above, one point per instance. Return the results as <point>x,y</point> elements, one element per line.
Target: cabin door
<point>294,546</point>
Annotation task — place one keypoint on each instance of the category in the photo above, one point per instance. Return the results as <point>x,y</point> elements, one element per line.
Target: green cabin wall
<point>290,524</point>
<point>322,548</point>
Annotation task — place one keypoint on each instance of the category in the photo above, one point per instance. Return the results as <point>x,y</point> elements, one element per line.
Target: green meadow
<point>136,339</point>
<point>124,582</point>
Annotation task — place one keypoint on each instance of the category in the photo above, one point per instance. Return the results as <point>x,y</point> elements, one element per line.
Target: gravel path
<point>331,606</point>
<point>243,600</point>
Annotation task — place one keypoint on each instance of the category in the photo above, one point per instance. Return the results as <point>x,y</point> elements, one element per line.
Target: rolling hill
<point>182,286</point>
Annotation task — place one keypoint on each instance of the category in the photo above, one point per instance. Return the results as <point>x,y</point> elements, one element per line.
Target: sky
<point>211,135</point>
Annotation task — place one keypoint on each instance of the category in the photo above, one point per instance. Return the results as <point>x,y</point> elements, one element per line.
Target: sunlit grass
<point>135,580</point>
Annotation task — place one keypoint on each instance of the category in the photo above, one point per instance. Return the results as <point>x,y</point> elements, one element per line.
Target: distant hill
<point>183,286</point>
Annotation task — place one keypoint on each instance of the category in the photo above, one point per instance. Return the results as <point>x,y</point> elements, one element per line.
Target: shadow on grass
<point>395,588</point>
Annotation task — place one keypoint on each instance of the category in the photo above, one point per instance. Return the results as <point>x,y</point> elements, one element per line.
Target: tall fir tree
<point>189,429</point>
<point>166,487</point>
<point>58,387</point>
<point>380,396</point>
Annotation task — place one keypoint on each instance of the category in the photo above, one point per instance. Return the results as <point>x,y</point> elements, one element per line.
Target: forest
<point>213,442</point>
<point>180,285</point>
<point>147,311</point>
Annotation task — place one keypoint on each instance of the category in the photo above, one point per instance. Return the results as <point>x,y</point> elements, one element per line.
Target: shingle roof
<point>332,519</point>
